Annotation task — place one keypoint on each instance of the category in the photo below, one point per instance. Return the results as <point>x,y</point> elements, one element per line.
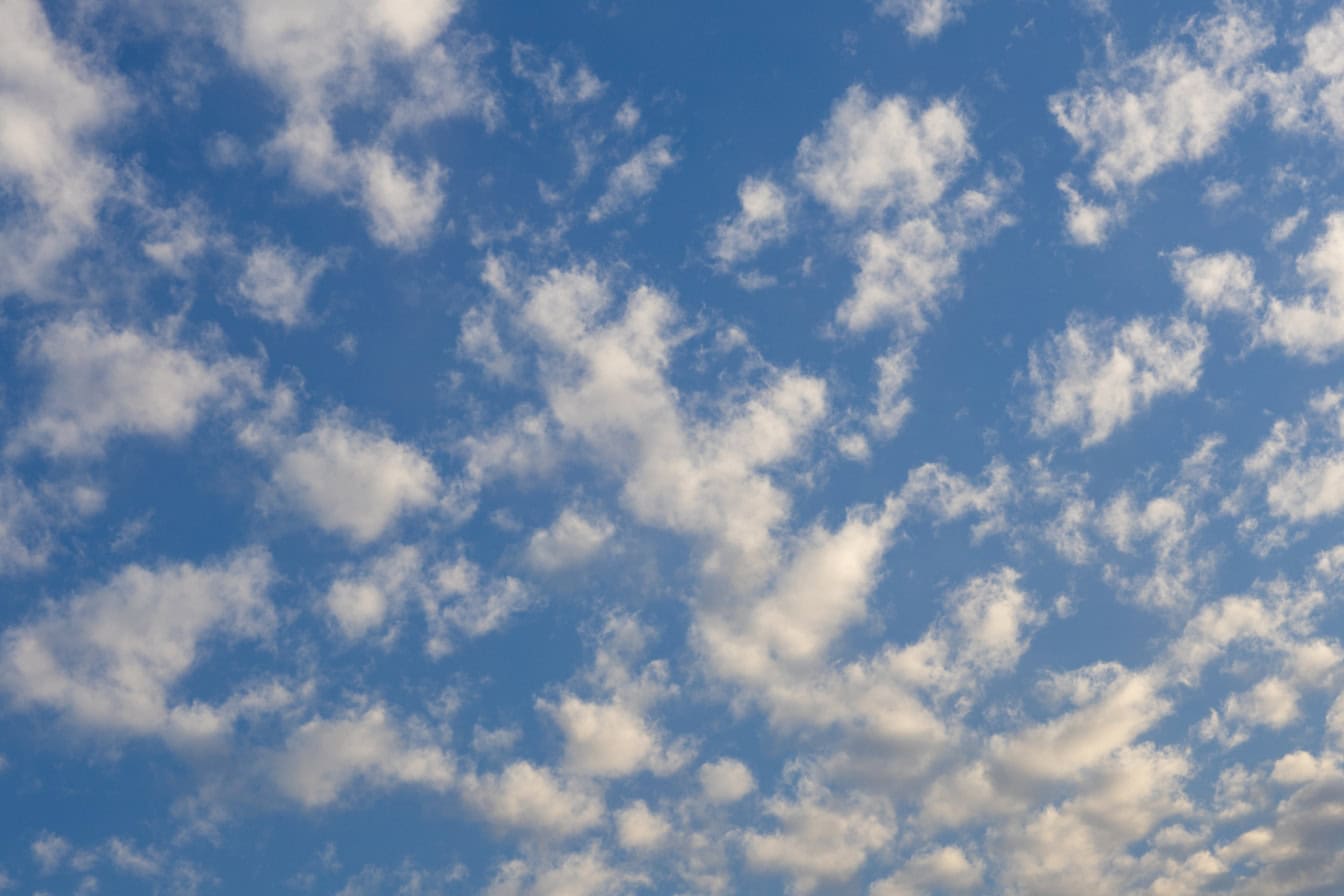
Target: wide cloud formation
<point>445,452</point>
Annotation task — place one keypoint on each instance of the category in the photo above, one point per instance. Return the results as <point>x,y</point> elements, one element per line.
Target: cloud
<point>103,383</point>
<point>528,798</point>
<point>1095,376</point>
<point>353,482</point>
<point>571,540</point>
<point>635,178</point>
<point>763,219</point>
<point>726,780</point>
<point>54,101</point>
<point>1172,104</point>
<point>922,19</point>
<point>277,281</point>
<point>325,756</point>
<point>323,56</point>
<point>109,658</point>
<point>639,828</point>
<point>547,76</point>
<point>585,873</point>
<point>820,839</point>
<point>871,156</point>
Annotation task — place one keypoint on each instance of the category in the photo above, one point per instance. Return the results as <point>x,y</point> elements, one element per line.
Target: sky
<point>887,447</point>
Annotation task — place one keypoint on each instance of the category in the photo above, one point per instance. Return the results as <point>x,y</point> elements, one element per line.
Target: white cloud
<point>763,219</point>
<point>571,540</point>
<point>639,828</point>
<point>549,79</point>
<point>820,839</point>
<point>1174,103</point>
<point>944,870</point>
<point>102,383</point>
<point>324,756</point>
<point>585,873</point>
<point>871,156</point>
<point>361,604</point>
<point>53,103</point>
<point>402,206</point>
<point>605,384</point>
<point>635,178</point>
<point>277,281</point>
<point>726,780</point>
<point>528,798</point>
<point>326,55</point>
<point>923,18</point>
<point>1223,282</point>
<point>109,659</point>
<point>1094,377</point>
<point>611,739</point>
<point>1313,325</point>
<point>1088,223</point>
<point>353,482</point>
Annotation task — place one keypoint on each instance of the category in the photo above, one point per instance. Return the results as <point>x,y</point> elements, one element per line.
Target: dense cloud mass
<point>887,447</point>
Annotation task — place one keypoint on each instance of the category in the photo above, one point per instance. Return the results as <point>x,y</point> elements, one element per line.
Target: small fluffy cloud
<point>109,659</point>
<point>353,482</point>
<point>820,839</point>
<point>1224,282</point>
<point>276,283</point>
<point>923,18</point>
<point>635,178</point>
<point>1094,377</point>
<point>872,155</point>
<point>763,218</point>
<point>323,56</point>
<point>529,798</point>
<point>1173,103</point>
<point>726,780</point>
<point>570,541</point>
<point>103,382</point>
<point>325,756</point>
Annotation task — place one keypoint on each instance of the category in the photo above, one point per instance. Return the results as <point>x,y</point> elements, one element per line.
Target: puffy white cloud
<point>726,780</point>
<point>641,829</point>
<point>353,482</point>
<point>762,219</point>
<point>1313,325</point>
<point>362,604</point>
<point>947,869</point>
<point>53,103</point>
<point>889,165</point>
<point>31,516</point>
<point>401,205</point>
<point>323,55</point>
<point>1222,282</point>
<point>571,540</point>
<point>635,178</point>
<point>1094,377</point>
<point>526,797</point>
<point>1171,104</point>
<point>324,756</point>
<point>103,382</point>
<point>871,156</point>
<point>605,381</point>
<point>611,739</point>
<point>586,873</point>
<point>821,839</point>
<point>923,18</point>
<point>110,658</point>
<point>277,281</point>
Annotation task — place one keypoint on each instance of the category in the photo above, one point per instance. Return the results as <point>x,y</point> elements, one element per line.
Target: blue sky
<point>880,447</point>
